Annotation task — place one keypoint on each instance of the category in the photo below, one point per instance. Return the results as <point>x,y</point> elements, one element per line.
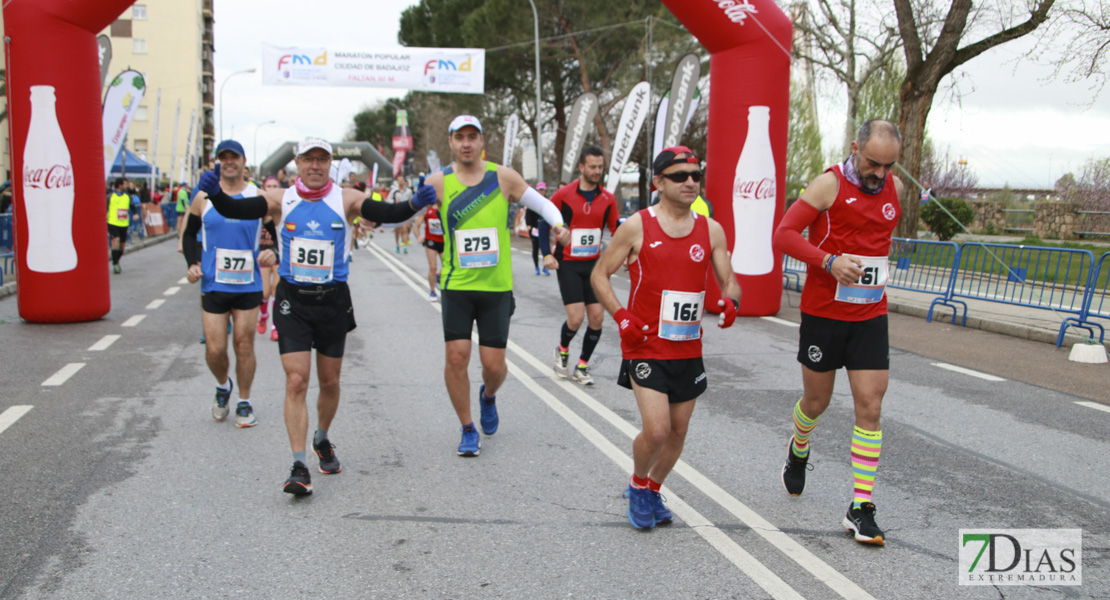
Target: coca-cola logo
<point>752,189</point>
<point>57,176</point>
<point>736,10</point>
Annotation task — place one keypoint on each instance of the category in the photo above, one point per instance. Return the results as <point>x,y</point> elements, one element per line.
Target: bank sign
<point>1029,557</point>
<point>452,70</point>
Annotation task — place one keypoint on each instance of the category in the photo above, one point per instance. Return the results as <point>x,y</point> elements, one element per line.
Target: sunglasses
<point>680,176</point>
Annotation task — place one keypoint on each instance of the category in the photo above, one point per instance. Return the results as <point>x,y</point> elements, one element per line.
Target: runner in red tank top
<point>670,252</point>
<point>851,211</point>
<point>429,233</point>
<point>587,209</point>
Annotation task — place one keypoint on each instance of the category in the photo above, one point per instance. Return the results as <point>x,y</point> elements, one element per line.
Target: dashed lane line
<point>970,372</point>
<point>1095,405</point>
<point>10,416</point>
<point>183,281</point>
<point>155,303</point>
<point>781,321</point>
<point>104,343</point>
<point>63,374</point>
<point>171,291</point>
<point>133,321</point>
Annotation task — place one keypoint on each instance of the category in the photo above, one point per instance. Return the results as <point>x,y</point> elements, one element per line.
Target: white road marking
<point>825,573</point>
<point>63,374</point>
<point>104,343</point>
<point>133,321</point>
<point>171,291</point>
<point>967,372</point>
<point>183,281</point>
<point>10,416</point>
<point>1095,405</point>
<point>781,321</point>
<point>155,303</point>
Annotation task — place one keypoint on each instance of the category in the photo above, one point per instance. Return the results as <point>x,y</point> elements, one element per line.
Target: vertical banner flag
<point>581,117</point>
<point>434,165</point>
<point>635,109</point>
<point>402,142</point>
<point>104,50</point>
<point>452,70</point>
<point>173,147</point>
<point>685,83</point>
<point>374,176</point>
<point>512,126</point>
<point>661,119</point>
<point>186,169</point>
<point>120,104</point>
<point>154,144</point>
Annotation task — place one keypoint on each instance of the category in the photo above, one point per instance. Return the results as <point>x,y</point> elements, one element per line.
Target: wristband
<point>735,303</point>
<point>828,265</point>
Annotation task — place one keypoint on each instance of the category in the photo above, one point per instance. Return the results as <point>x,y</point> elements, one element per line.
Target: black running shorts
<point>118,231</point>
<point>827,344</point>
<point>313,317</point>
<point>491,310</point>
<point>681,379</point>
<point>574,281</point>
<point>220,303</point>
<point>433,245</point>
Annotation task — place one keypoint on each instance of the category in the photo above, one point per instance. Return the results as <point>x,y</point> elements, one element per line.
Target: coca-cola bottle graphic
<point>753,198</point>
<point>47,188</point>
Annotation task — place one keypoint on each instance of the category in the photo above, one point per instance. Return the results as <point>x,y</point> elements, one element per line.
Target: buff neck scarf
<point>309,194</point>
<point>848,168</point>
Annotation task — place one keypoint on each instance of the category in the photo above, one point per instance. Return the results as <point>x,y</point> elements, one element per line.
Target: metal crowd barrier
<point>7,246</point>
<point>922,265</point>
<point>1096,303</point>
<point>169,215</point>
<point>792,270</point>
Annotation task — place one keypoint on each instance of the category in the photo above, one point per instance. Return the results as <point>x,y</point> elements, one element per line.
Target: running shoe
<point>546,272</point>
<point>219,406</point>
<point>469,446</point>
<point>262,325</point>
<point>299,482</point>
<point>560,365</point>
<point>405,249</point>
<point>329,464</point>
<point>116,269</point>
<point>662,513</point>
<point>861,522</point>
<point>244,415</point>
<point>398,248</point>
<point>432,297</point>
<point>640,512</point>
<point>537,270</point>
<point>582,375</point>
<point>202,340</point>
<point>489,418</point>
<point>273,334</point>
<point>794,471</point>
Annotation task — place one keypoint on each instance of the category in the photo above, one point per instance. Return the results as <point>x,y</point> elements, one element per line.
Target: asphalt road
<point>120,485</point>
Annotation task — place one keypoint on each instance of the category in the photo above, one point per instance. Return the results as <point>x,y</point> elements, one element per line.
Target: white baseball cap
<point>464,121</point>
<point>309,144</point>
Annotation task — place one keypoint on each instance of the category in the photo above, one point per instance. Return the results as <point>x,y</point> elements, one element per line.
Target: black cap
<point>675,155</point>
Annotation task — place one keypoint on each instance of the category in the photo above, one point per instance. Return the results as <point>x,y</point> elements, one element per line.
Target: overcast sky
<point>1012,124</point>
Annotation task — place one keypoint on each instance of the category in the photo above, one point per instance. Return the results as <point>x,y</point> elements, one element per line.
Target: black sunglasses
<point>680,176</point>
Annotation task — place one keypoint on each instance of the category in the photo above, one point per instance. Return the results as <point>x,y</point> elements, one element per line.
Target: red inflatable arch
<point>61,244</point>
<point>749,46</point>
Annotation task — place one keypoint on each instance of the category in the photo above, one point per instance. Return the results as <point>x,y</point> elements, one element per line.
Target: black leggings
<point>535,250</point>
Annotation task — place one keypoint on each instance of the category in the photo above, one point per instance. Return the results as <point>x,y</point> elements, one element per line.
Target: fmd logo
<point>302,60</point>
<point>446,65</point>
<point>1030,557</point>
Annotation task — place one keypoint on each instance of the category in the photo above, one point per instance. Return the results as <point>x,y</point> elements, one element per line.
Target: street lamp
<point>222,85</point>
<point>539,127</point>
<point>254,147</point>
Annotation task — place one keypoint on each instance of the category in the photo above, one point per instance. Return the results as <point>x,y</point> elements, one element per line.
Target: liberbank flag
<point>454,70</point>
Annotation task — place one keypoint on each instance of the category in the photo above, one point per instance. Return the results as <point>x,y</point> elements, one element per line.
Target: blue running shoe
<point>469,445</point>
<point>220,408</point>
<point>662,514</point>
<point>489,418</point>
<point>546,272</point>
<point>640,512</point>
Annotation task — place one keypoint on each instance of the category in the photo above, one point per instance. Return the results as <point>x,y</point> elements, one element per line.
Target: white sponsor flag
<point>661,118</point>
<point>581,119</point>
<point>456,70</point>
<point>632,119</point>
<point>512,125</point>
<point>187,159</point>
<point>121,102</point>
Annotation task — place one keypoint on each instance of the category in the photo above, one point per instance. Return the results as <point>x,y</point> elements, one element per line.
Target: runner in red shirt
<point>670,252</point>
<point>429,233</point>
<point>587,209</point>
<point>851,211</point>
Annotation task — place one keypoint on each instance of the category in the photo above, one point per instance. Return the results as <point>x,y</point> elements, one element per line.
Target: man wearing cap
<point>312,301</point>
<point>670,251</point>
<point>587,208</point>
<point>225,261</point>
<point>477,280</point>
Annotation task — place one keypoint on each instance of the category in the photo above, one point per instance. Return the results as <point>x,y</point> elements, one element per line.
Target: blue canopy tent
<point>135,165</point>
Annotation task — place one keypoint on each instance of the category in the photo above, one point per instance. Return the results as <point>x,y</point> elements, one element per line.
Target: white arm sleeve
<point>535,201</point>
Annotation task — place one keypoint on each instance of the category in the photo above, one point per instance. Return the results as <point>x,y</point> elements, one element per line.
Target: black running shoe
<point>861,522</point>
<point>299,482</point>
<point>794,472</point>
<point>328,462</point>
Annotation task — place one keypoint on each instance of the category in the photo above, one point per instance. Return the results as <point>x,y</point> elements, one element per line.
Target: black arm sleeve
<point>254,207</point>
<point>270,229</point>
<point>380,212</point>
<point>190,247</point>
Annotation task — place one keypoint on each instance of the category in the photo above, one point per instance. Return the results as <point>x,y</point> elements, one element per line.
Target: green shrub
<point>940,223</point>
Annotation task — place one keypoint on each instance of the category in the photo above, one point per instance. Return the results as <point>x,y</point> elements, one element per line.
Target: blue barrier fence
<point>1059,279</point>
<point>7,246</point>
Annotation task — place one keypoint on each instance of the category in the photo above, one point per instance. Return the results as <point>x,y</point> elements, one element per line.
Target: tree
<point>939,221</point>
<point>804,161</point>
<point>947,177</point>
<point>934,46</point>
<point>837,44</point>
<point>880,96</point>
<point>1081,38</point>
<point>1089,191</point>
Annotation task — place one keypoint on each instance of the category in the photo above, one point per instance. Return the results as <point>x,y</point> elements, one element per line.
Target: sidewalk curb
<point>10,289</point>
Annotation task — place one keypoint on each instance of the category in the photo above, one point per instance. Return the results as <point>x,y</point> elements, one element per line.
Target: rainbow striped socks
<point>803,426</point>
<point>866,446</point>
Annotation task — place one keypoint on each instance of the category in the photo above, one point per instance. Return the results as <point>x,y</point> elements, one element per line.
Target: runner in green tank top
<point>473,197</point>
